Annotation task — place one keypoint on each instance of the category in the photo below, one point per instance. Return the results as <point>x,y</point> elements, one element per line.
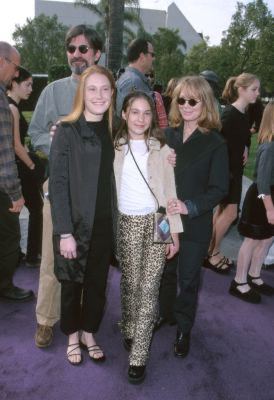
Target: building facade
<point>173,18</point>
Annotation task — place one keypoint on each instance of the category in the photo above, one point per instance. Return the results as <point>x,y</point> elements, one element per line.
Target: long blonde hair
<point>266,131</point>
<point>79,105</point>
<point>171,86</point>
<point>230,92</point>
<point>200,89</point>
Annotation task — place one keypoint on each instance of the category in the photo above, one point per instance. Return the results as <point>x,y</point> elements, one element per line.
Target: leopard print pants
<point>142,264</point>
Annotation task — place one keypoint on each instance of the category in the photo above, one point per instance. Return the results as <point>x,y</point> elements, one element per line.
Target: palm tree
<point>115,43</point>
<point>111,26</point>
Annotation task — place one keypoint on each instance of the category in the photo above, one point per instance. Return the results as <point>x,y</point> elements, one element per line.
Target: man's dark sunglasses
<point>191,102</point>
<point>83,48</point>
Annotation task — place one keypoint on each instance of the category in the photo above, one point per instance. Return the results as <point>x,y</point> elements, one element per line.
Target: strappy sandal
<point>251,296</point>
<point>218,266</point>
<point>262,288</point>
<point>92,350</point>
<point>70,354</point>
<point>229,262</point>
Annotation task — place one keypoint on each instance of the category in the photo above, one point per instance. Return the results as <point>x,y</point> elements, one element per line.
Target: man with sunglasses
<point>11,200</point>
<point>140,55</point>
<point>83,47</point>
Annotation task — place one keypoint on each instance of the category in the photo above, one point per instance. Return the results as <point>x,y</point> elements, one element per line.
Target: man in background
<point>140,55</point>
<point>11,200</point>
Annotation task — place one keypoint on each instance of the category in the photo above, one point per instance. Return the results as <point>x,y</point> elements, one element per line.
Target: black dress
<point>80,187</point>
<point>253,222</point>
<point>236,132</point>
<point>33,195</point>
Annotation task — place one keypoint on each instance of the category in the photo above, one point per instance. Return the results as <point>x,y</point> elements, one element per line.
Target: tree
<point>112,16</point>
<point>246,46</point>
<point>115,43</point>
<point>41,43</point>
<point>169,55</point>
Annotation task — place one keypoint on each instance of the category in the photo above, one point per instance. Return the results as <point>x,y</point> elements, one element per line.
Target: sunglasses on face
<point>191,102</point>
<point>151,53</point>
<point>83,48</point>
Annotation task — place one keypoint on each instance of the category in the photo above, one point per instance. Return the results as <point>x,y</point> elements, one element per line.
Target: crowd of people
<point>121,154</point>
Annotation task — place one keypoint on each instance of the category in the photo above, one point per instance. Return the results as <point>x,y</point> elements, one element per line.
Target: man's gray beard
<point>77,69</point>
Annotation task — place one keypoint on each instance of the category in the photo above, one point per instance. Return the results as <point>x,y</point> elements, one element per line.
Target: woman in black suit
<point>201,175</point>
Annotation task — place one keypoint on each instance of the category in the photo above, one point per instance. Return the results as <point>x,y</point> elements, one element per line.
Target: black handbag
<point>161,225</point>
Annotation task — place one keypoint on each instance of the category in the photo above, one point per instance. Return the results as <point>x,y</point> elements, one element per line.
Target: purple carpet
<point>231,357</point>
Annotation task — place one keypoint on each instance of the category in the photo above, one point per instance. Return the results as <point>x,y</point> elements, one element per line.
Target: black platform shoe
<point>136,374</point>
<point>263,288</point>
<point>251,296</point>
<point>182,344</point>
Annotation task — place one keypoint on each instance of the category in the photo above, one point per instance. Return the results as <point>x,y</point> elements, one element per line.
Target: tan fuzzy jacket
<point>160,177</point>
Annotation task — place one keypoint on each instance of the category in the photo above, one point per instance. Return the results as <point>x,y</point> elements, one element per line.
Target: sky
<point>210,17</point>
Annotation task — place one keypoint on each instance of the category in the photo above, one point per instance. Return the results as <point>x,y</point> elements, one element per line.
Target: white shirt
<point>135,196</point>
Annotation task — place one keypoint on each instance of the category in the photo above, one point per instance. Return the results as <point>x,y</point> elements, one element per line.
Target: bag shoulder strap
<point>143,176</point>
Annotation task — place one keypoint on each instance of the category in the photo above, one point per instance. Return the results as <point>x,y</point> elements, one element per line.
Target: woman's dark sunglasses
<point>191,102</point>
<point>83,48</point>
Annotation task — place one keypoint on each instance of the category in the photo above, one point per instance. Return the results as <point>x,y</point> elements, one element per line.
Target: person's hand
<point>68,247</point>
<point>270,216</point>
<point>17,205</point>
<point>53,130</point>
<point>172,248</point>
<point>171,158</point>
<point>245,156</point>
<point>176,206</point>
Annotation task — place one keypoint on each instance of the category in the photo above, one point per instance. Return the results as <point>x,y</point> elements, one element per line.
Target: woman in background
<point>239,92</point>
<point>167,95</point>
<point>19,89</point>
<point>257,218</point>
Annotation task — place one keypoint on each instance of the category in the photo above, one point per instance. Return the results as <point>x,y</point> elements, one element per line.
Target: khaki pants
<point>49,291</point>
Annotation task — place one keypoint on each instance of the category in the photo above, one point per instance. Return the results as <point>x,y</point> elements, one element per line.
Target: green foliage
<point>250,165</point>
<point>113,26</point>
<point>168,47</point>
<point>58,72</point>
<point>246,46</point>
<point>41,43</point>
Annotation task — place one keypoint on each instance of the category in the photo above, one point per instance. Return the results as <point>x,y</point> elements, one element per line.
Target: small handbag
<point>161,226</point>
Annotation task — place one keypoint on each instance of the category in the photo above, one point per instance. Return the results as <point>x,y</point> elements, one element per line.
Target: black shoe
<point>163,321</point>
<point>17,294</point>
<point>182,344</point>
<point>136,374</point>
<point>263,288</point>
<point>127,344</point>
<point>251,296</point>
<point>218,267</point>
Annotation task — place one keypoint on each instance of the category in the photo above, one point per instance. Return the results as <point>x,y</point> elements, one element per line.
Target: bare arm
<point>17,205</point>
<point>269,207</point>
<point>19,149</point>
